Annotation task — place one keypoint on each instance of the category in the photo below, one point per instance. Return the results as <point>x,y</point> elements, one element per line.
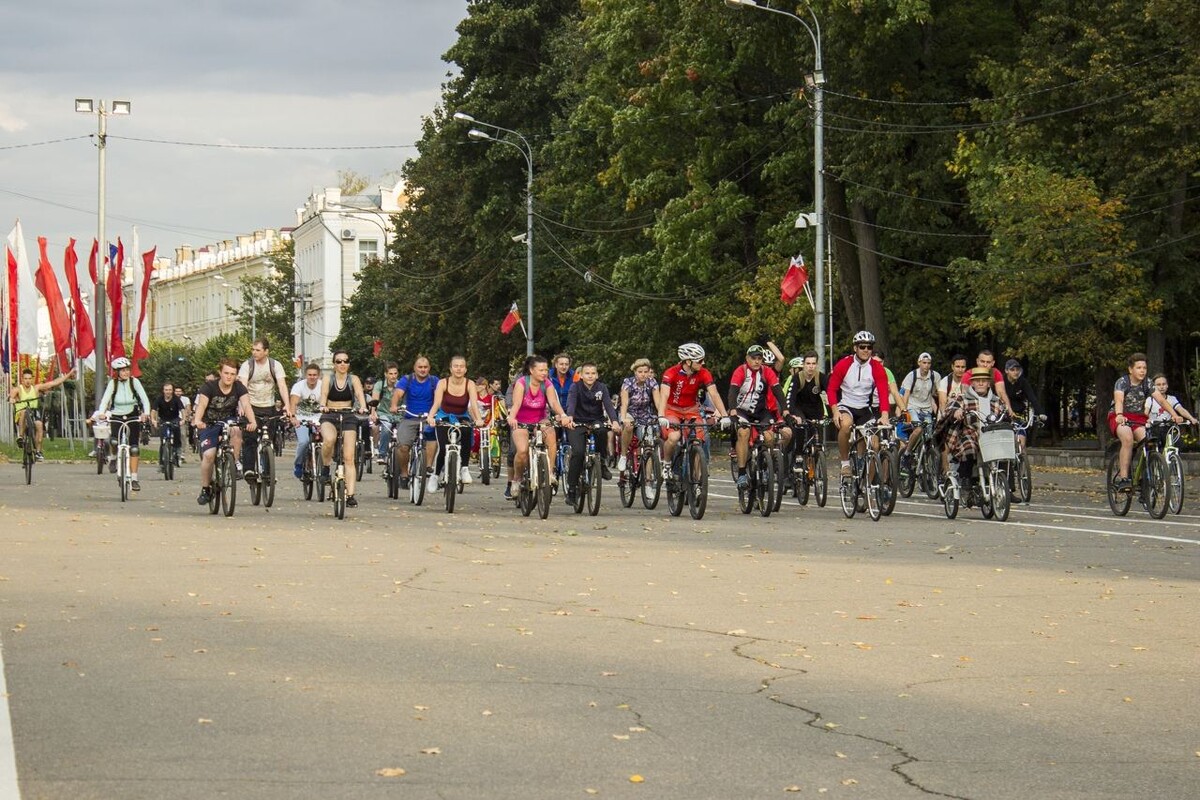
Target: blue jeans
<point>385,436</point>
<point>302,438</point>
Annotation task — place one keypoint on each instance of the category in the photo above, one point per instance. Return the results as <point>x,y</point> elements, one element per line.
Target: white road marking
<point>9,790</point>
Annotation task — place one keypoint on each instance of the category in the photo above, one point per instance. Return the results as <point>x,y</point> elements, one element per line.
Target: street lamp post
<point>816,82</point>
<point>120,108</point>
<point>526,151</point>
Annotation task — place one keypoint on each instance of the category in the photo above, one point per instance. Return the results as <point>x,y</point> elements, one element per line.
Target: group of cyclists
<point>568,406</point>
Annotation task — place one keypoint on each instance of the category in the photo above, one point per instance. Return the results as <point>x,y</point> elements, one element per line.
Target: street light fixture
<point>85,105</point>
<point>527,151</point>
<point>816,82</point>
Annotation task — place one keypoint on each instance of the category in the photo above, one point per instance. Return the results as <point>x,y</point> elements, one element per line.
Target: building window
<point>368,249</point>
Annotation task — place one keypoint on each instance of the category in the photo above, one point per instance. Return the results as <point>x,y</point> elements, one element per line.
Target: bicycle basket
<point>997,442</point>
<point>101,430</point>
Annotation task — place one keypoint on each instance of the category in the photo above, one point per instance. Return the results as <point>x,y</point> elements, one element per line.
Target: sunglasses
<point>341,361</point>
<point>865,346</point>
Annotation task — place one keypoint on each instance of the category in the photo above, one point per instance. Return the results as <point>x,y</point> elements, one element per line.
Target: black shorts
<point>761,416</point>
<point>860,416</point>
<point>347,421</point>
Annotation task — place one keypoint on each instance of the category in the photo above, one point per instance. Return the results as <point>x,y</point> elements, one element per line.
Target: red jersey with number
<point>683,390</point>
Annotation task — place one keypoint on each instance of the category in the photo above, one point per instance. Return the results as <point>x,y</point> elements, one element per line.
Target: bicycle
<point>760,490</point>
<point>222,494</point>
<point>1148,473</point>
<point>490,440</point>
<point>391,461</point>
<point>689,471</point>
<point>1169,435</point>
<point>988,484</point>
<point>1021,480</point>
<point>310,475</point>
<point>808,464</point>
<point>262,487</point>
<point>643,468</point>
<point>168,449</point>
<point>452,483</point>
<point>337,470</point>
<point>921,462</point>
<point>535,489</point>
<point>861,490</point>
<point>587,491</point>
<point>418,468</point>
<point>28,445</point>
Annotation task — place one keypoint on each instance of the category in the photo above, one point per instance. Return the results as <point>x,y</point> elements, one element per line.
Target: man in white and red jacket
<point>852,385</point>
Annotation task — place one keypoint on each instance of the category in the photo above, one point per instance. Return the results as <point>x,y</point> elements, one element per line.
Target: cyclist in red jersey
<point>752,388</point>
<point>678,397</point>
<point>853,384</point>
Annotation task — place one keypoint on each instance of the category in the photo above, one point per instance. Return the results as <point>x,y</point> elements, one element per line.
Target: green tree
<point>269,305</point>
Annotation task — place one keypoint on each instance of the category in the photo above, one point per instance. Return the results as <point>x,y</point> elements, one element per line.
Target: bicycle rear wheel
<point>1024,481</point>
<point>930,467</point>
<point>165,461</point>
<point>393,467</point>
<point>675,487</point>
<point>820,481</point>
<point>697,483</point>
<point>1119,500</point>
<point>800,478</point>
<point>255,485</point>
<point>780,478</point>
<point>1175,477</point>
<point>889,480</point>
<point>485,459</point>
<point>949,500</point>
<point>908,475</point>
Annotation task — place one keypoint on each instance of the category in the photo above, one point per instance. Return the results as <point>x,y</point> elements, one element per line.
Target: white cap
<point>924,357</point>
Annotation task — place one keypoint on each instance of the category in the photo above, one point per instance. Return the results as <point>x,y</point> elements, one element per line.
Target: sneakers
<point>381,461</point>
<point>112,465</point>
<point>137,487</point>
<point>404,483</point>
<point>241,471</point>
<point>743,482</point>
<point>464,475</point>
<point>249,473</point>
<point>508,491</point>
<point>298,471</point>
<point>622,463</point>
<point>1122,483</point>
<point>847,472</point>
<point>205,496</point>
<point>351,502</point>
<point>572,495</point>
<point>604,471</point>
<point>39,456</point>
<point>666,474</point>
<point>20,442</point>
<point>432,484</point>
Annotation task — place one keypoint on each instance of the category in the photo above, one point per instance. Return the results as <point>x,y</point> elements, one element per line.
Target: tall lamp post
<point>119,108</point>
<point>527,151</point>
<point>816,82</point>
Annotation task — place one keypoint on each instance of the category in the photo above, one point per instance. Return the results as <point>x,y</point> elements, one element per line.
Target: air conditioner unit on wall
<point>348,234</point>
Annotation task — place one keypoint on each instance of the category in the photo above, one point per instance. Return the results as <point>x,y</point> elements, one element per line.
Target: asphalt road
<point>151,650</point>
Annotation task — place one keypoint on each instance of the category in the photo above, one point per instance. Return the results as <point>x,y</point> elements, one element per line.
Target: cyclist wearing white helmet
<point>678,397</point>
<point>852,386</point>
<point>750,386</point>
<point>124,395</point>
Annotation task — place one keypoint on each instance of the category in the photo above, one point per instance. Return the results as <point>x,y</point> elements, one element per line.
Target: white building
<point>191,299</point>
<point>335,236</point>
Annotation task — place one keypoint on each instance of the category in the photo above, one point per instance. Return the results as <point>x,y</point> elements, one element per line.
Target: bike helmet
<point>756,350</point>
<point>769,358</point>
<point>691,352</point>
<point>120,362</point>
<point>796,363</point>
<point>864,337</point>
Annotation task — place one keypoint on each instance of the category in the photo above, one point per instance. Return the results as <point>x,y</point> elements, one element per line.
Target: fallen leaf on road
<point>792,788</point>
<point>636,779</point>
<point>431,751</point>
<point>204,721</point>
<point>390,772</point>
<point>621,737</point>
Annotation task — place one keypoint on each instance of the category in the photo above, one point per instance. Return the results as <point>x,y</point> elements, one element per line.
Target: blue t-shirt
<point>563,389</point>
<point>418,395</point>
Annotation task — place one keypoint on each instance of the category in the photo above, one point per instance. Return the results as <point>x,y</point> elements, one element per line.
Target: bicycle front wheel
<point>765,480</point>
<point>780,479</point>
<point>544,492</point>
<point>930,467</point>
<point>1024,480</point>
<point>650,478</point>
<point>874,486</point>
<point>1158,486</point>
<point>675,488</point>
<point>697,483</point>
<point>229,484</point>
<point>594,486</point>
<point>417,473</point>
<point>266,476</point>
<point>165,462</point>
<point>1175,478</point>
<point>451,481</point>
<point>339,496</point>
<point>820,482</point>
<point>123,474</point>
<point>1001,500</point>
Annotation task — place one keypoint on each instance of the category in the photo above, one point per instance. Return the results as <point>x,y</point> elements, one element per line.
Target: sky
<point>302,73</point>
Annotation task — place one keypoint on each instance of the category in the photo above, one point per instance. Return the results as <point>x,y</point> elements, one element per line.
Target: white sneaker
<point>667,472</point>
<point>622,462</point>
<point>432,485</point>
<point>464,476</point>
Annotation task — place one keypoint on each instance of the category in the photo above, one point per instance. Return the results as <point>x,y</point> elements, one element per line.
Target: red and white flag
<point>114,284</point>
<point>511,321</point>
<point>47,284</point>
<point>793,281</point>
<point>141,339</point>
<point>22,296</point>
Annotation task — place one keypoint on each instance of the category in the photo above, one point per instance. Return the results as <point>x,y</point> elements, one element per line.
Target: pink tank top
<point>533,404</point>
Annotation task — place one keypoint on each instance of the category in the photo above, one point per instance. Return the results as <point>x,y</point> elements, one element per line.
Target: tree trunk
<point>868,266</point>
<point>838,216</point>
<point>1106,377</point>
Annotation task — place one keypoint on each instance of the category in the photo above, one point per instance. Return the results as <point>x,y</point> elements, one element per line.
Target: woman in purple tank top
<point>532,396</point>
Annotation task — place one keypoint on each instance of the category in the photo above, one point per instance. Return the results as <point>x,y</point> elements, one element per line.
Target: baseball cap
<point>924,357</point>
<point>1012,363</point>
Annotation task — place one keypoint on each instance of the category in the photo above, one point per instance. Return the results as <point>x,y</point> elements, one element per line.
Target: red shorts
<point>679,415</point>
<point>1133,420</point>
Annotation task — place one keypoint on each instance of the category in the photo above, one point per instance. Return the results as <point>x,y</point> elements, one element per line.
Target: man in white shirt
<point>305,404</point>
<point>262,376</point>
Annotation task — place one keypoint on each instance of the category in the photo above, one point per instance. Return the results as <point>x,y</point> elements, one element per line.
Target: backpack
<point>250,369</point>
